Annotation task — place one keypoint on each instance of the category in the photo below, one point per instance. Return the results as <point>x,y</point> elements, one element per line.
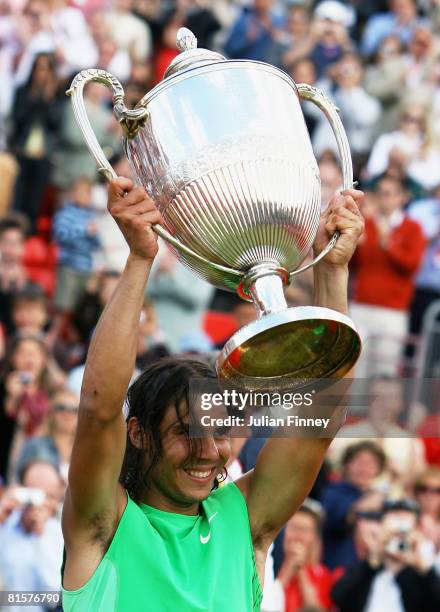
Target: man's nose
<point>209,449</point>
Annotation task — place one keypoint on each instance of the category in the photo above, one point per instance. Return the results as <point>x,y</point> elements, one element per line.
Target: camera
<point>398,544</point>
<point>25,378</point>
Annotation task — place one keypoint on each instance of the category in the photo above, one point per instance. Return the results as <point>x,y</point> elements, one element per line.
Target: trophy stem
<point>267,294</point>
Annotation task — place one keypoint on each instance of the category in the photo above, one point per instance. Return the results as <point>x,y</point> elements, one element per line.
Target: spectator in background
<point>405,453</point>
<point>330,35</point>
<point>198,17</point>
<point>303,71</point>
<point>150,11</point>
<point>420,59</point>
<point>151,346</point>
<point>29,311</point>
<point>113,60</point>
<point>412,144</point>
<point>129,31</point>
<point>180,298</point>
<point>55,445</point>
<point>401,20</point>
<point>256,33</point>
<point>166,49</point>
<point>35,126</point>
<point>98,291</point>
<point>75,231</point>
<point>298,39</point>
<point>29,375</point>
<point>13,277</point>
<point>307,583</point>
<point>362,463</point>
<point>72,159</point>
<point>398,574</point>
<point>359,111</point>
<point>385,264</point>
<point>385,79</point>
<point>331,179</point>
<point>427,213</point>
<point>30,534</point>
<point>427,495</point>
<point>55,28</point>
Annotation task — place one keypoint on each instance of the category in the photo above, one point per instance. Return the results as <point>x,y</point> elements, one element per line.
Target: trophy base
<point>285,349</point>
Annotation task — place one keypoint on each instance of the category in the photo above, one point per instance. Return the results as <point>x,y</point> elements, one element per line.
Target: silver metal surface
<point>237,183</point>
<point>223,150</point>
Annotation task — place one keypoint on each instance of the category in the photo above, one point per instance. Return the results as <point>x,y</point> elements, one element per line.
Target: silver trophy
<point>223,150</point>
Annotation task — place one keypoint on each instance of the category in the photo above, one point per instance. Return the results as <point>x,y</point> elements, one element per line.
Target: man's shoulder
<point>227,498</point>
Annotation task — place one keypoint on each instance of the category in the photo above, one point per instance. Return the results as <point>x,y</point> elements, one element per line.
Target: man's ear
<point>137,435</point>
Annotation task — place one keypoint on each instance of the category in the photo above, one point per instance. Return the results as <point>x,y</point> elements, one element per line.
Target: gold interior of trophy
<point>298,349</point>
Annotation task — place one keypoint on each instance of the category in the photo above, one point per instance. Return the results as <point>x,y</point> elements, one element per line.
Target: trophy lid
<point>190,56</point>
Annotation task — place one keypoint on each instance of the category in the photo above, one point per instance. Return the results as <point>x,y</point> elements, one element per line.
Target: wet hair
<point>361,447</point>
<point>163,384</point>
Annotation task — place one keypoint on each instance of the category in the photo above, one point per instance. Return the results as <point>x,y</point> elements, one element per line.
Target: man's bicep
<point>283,476</point>
<point>95,466</point>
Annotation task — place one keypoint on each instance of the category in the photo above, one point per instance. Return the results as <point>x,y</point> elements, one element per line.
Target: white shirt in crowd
<point>30,562</point>
<point>384,594</point>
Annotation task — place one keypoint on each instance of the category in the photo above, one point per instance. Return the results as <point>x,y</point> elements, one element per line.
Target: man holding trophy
<point>146,525</point>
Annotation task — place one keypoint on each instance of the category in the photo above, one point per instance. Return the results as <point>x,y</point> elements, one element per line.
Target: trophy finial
<point>186,40</point>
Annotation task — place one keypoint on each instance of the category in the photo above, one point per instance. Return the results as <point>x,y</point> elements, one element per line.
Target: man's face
<point>304,72</point>
<point>405,10</point>
<point>29,357</point>
<point>262,6</point>
<point>11,246</point>
<point>44,477</point>
<point>82,193</point>
<point>184,477</point>
<point>387,401</point>
<point>29,315</point>
<point>301,528</point>
<point>349,72</point>
<point>362,469</point>
<point>390,196</point>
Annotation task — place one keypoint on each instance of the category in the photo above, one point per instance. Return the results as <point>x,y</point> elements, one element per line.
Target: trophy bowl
<point>223,150</point>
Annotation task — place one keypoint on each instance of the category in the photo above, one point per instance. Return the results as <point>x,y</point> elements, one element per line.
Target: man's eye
<point>222,432</point>
<point>182,430</point>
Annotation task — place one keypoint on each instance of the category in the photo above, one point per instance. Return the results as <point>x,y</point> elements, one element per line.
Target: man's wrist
<point>326,270</point>
<point>137,259</point>
<point>331,286</point>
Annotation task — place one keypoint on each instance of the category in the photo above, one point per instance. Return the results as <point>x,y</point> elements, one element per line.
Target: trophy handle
<point>130,121</point>
<point>330,110</point>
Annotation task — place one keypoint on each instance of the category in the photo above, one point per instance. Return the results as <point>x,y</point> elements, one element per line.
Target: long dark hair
<point>161,385</point>
<point>52,66</point>
<point>7,364</point>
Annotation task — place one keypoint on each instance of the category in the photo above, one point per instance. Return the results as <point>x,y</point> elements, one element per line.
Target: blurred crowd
<point>368,539</point>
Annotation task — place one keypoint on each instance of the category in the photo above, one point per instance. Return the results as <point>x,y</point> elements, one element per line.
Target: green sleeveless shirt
<point>164,562</point>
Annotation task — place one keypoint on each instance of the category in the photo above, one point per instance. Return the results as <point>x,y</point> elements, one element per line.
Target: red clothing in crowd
<point>40,260</point>
<point>384,276</point>
<point>321,578</point>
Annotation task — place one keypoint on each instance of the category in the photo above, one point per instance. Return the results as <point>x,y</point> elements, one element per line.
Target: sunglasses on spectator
<point>66,408</point>
<point>427,489</point>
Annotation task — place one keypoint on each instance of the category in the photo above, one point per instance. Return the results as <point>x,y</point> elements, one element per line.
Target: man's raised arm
<point>287,467</point>
<point>92,497</point>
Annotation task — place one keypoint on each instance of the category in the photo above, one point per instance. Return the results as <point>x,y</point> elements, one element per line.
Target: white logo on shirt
<point>205,539</point>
